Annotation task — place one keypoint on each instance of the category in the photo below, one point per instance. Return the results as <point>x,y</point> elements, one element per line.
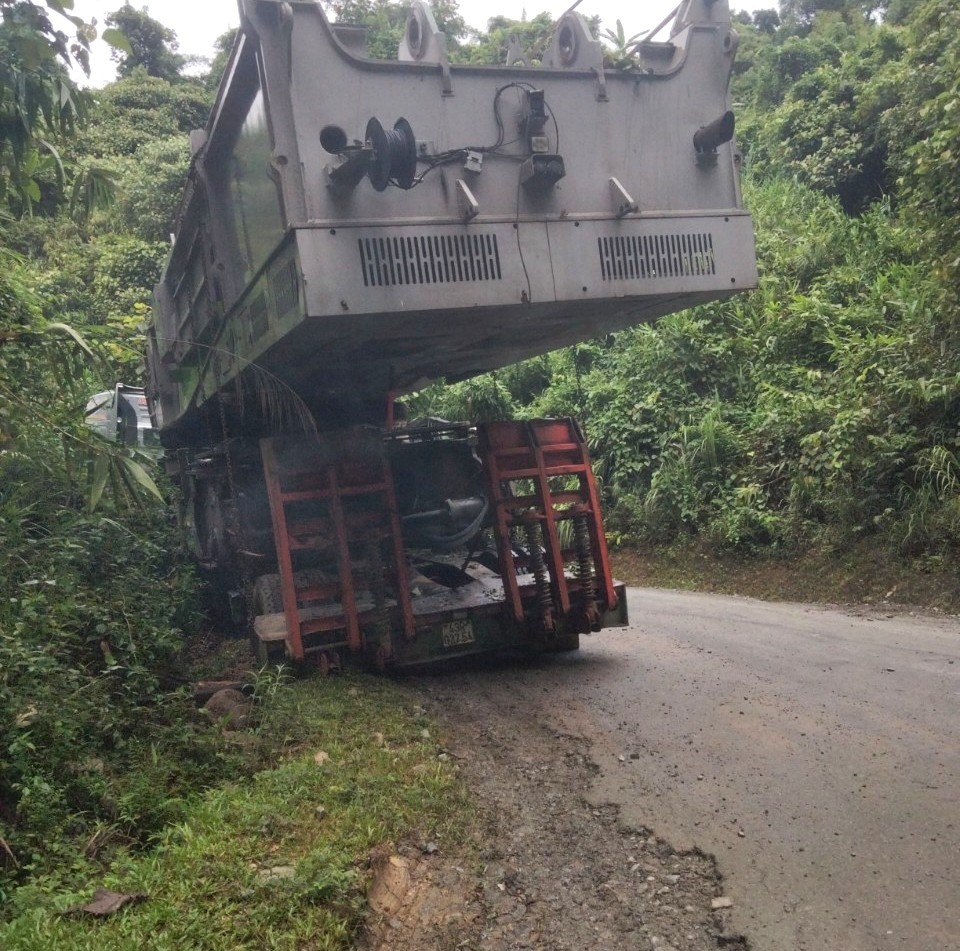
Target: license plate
<point>457,633</point>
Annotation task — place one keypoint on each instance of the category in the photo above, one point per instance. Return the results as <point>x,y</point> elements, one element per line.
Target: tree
<point>813,105</point>
<point>801,14</point>
<point>900,11</point>
<point>41,108</point>
<point>926,124</point>
<point>152,46</point>
<point>148,186</point>
<point>766,21</point>
<point>385,21</point>
<point>534,36</point>
<point>39,105</point>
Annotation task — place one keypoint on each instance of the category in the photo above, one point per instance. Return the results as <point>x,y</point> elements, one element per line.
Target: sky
<point>198,23</point>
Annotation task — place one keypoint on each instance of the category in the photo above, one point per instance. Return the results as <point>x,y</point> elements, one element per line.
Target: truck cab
<point>122,415</point>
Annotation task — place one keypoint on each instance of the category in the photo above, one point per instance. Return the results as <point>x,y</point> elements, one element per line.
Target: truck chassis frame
<point>333,503</point>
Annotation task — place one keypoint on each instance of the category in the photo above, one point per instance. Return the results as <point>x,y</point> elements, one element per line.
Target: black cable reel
<point>386,156</point>
<point>394,154</point>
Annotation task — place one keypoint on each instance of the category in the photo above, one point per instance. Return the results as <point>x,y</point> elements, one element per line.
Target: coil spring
<point>538,565</point>
<point>585,569</point>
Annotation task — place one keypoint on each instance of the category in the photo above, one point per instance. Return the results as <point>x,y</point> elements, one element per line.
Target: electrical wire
<point>523,263</point>
<point>452,156</point>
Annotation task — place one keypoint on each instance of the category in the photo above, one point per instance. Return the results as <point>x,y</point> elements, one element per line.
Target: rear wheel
<point>564,643</point>
<point>267,598</point>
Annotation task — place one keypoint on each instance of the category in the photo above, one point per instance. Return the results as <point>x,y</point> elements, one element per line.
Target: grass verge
<point>280,860</point>
<point>863,574</point>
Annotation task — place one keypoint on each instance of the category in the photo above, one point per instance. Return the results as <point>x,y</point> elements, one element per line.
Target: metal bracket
<point>424,42</point>
<point>467,204</point>
<point>601,84</point>
<point>574,46</point>
<point>623,204</point>
<point>446,81</point>
<point>343,178</point>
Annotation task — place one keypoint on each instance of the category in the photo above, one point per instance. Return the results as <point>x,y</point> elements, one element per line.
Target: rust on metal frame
<point>329,475</point>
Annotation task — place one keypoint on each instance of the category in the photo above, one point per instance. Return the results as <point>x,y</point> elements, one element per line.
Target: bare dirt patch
<point>421,901</point>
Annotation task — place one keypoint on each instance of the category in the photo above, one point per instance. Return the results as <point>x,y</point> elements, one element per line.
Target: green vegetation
<point>279,859</point>
<point>816,420</point>
<point>150,46</point>
<point>97,748</point>
<point>821,410</point>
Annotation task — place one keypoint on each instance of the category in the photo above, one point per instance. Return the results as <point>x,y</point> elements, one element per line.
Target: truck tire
<point>564,643</point>
<point>266,599</point>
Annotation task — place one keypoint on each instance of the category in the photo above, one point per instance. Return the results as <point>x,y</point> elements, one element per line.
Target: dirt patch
<point>551,872</point>
<point>420,901</point>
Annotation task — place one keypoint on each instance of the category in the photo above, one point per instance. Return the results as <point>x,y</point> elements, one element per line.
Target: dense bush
<point>139,110</point>
<point>821,408</point>
<point>97,744</point>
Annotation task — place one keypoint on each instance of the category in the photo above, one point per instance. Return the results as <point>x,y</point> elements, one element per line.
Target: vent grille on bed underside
<point>429,259</point>
<point>646,256</point>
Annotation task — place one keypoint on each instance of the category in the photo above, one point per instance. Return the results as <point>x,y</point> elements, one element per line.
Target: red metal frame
<point>329,470</point>
<point>538,450</point>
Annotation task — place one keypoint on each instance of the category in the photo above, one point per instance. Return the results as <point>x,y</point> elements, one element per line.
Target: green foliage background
<point>821,409</point>
<point>98,747</point>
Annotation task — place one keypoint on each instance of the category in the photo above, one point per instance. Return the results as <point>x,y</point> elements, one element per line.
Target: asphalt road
<point>814,752</point>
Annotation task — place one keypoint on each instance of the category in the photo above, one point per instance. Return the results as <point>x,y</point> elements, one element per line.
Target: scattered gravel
<point>556,873</point>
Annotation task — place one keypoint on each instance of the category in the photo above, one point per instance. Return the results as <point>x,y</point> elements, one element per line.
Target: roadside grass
<point>280,860</point>
<point>862,574</point>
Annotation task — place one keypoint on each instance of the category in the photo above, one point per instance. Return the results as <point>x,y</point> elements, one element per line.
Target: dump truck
<point>353,229</point>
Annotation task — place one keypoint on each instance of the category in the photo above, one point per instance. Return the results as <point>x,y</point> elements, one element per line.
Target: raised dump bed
<point>355,227</point>
<point>352,229</point>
